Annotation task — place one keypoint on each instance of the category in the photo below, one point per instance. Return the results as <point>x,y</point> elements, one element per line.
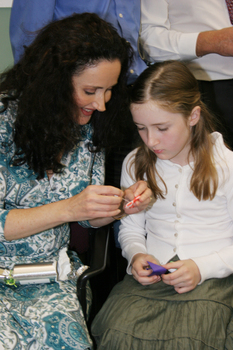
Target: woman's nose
<point>99,104</point>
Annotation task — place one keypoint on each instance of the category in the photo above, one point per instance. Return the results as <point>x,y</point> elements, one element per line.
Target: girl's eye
<point>139,129</point>
<point>89,92</point>
<point>163,129</point>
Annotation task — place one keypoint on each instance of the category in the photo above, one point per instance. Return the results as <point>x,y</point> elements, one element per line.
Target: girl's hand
<point>139,269</point>
<point>141,193</point>
<point>185,278</point>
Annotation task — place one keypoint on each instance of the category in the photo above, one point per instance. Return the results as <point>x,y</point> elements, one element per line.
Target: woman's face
<point>166,134</point>
<point>93,88</point>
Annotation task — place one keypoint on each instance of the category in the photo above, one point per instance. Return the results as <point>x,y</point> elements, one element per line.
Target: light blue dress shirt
<point>27,16</point>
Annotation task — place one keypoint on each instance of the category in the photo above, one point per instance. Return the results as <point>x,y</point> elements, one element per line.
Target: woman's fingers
<point>94,202</point>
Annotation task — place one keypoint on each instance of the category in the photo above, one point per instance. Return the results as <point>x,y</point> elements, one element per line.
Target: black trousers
<point>218,96</point>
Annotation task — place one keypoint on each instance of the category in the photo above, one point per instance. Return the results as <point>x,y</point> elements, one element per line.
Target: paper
<point>157,269</point>
<point>63,265</point>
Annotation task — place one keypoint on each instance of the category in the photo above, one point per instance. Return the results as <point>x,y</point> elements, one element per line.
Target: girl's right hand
<point>95,201</point>
<point>140,270</point>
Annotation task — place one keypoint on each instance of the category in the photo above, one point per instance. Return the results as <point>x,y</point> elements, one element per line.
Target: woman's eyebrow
<point>98,87</point>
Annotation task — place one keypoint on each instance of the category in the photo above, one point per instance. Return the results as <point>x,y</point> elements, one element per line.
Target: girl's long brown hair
<point>171,85</point>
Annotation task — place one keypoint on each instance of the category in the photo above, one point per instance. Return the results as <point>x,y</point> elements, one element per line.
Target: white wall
<point>6,56</point>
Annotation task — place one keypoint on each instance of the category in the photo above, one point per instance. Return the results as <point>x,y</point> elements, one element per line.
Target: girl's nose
<point>152,140</point>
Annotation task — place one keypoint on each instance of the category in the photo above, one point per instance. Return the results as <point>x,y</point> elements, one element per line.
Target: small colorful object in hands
<point>157,269</point>
<point>131,203</point>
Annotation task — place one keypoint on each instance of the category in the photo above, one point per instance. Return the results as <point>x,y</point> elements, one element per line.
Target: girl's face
<point>93,88</point>
<point>166,134</point>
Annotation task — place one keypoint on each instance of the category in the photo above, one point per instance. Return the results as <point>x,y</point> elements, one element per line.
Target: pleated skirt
<point>153,317</point>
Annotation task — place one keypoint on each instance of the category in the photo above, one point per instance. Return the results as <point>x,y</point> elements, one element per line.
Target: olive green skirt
<point>140,317</point>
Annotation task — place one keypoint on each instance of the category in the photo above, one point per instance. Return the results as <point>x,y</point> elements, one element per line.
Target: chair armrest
<point>99,241</point>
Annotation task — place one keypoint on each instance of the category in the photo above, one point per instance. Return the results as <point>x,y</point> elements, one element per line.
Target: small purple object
<point>157,269</point>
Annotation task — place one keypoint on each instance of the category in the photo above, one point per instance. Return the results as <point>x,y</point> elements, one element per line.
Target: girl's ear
<point>195,116</point>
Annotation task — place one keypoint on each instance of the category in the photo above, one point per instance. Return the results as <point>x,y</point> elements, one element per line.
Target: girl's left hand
<point>185,278</point>
<point>144,194</point>
<point>140,270</point>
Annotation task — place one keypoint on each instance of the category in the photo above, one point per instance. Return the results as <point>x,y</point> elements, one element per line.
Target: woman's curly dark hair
<point>41,82</point>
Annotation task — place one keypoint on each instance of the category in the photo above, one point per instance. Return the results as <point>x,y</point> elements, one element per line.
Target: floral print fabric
<point>41,316</point>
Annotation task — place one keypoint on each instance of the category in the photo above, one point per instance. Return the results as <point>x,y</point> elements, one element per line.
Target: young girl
<point>188,229</point>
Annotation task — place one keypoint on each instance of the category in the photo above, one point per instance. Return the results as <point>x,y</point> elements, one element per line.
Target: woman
<point>54,127</point>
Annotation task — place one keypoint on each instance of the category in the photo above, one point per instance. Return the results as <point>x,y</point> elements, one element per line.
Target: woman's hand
<point>185,278</point>
<point>92,203</point>
<point>144,194</point>
<point>140,270</point>
<point>95,201</point>
<point>102,204</point>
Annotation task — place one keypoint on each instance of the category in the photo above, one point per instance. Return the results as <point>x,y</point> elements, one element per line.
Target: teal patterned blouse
<point>19,188</point>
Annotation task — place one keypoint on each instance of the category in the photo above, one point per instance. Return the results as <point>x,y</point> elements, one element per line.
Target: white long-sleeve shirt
<point>182,225</point>
<point>170,29</point>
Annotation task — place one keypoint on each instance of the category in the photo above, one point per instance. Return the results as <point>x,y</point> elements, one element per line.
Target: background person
<point>199,33</point>
<point>27,16</point>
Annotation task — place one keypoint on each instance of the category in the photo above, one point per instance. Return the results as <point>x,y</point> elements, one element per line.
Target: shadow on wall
<point>6,56</point>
